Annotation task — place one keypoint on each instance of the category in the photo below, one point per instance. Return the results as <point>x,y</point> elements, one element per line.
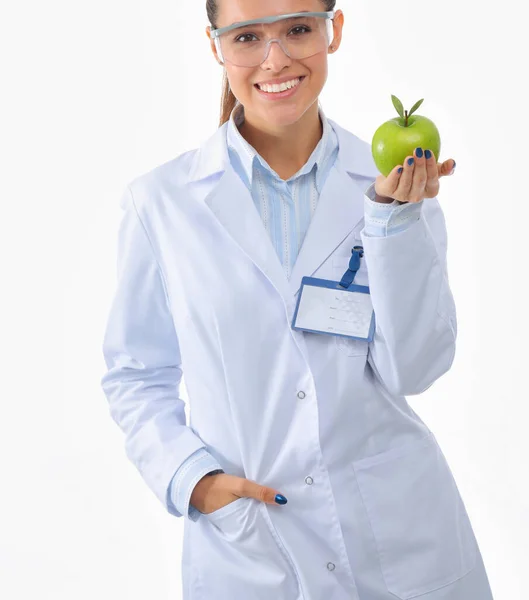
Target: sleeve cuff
<point>382,220</point>
<point>185,479</point>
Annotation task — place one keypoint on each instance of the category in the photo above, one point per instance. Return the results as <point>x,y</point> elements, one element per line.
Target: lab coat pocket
<point>224,511</point>
<point>421,528</point>
<point>349,346</point>
<point>245,549</point>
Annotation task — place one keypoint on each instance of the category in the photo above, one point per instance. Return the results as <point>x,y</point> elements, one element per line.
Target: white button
<point>331,566</point>
<point>301,395</point>
<point>309,480</point>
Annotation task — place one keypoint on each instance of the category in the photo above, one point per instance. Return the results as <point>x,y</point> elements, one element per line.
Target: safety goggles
<point>300,35</point>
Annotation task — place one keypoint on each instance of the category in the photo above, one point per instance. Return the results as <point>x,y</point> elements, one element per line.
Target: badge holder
<point>336,308</point>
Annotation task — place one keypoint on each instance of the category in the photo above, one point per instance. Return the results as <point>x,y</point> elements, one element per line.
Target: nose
<point>275,56</point>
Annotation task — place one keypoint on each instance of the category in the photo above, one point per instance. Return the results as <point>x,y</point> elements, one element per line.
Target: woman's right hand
<point>213,492</point>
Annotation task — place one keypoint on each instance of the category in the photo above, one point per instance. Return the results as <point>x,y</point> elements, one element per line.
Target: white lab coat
<point>373,510</point>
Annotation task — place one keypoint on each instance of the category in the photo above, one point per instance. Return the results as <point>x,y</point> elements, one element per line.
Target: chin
<point>284,121</point>
<point>284,113</point>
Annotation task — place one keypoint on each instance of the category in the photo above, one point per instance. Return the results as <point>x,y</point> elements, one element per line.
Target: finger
<point>419,177</point>
<point>431,168</point>
<point>446,168</point>
<point>251,489</point>
<point>406,179</point>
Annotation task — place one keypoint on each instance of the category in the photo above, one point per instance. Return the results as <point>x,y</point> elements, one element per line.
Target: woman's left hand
<point>416,181</point>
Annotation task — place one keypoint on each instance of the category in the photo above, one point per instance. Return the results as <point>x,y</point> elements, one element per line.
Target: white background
<point>97,93</point>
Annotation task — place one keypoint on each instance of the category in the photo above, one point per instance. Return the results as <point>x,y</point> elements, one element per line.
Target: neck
<point>286,149</point>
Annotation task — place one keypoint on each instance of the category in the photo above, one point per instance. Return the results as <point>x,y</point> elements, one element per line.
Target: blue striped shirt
<point>286,208</point>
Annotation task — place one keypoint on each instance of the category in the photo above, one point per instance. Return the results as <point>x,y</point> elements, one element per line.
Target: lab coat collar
<point>340,208</point>
<point>212,156</point>
<point>249,158</point>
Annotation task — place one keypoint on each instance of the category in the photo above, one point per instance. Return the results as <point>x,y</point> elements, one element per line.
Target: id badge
<point>336,308</point>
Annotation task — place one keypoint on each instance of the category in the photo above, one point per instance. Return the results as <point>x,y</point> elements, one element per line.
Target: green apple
<point>397,138</point>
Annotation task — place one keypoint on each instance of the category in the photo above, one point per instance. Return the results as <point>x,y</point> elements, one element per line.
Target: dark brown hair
<point>228,100</point>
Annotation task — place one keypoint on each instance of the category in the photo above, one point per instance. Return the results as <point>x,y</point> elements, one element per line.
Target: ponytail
<point>227,102</point>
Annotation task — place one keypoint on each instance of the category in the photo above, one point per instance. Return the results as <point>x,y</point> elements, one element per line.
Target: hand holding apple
<point>401,141</point>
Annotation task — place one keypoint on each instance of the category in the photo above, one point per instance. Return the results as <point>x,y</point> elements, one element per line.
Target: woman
<point>303,473</point>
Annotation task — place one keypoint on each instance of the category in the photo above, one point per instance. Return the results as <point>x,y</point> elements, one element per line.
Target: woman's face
<point>283,111</point>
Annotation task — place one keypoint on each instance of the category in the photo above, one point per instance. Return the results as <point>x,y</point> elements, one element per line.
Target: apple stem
<point>406,119</point>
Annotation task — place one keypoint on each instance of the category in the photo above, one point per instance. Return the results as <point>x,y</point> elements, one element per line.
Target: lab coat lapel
<point>232,204</point>
<point>340,207</point>
<point>339,210</point>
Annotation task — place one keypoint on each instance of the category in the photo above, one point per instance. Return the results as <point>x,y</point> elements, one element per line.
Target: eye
<point>243,35</point>
<point>298,27</point>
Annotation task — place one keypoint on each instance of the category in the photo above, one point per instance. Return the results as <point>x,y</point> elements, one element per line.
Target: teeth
<point>274,89</point>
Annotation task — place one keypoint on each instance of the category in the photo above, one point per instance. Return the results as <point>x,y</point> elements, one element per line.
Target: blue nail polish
<point>427,154</point>
<point>280,499</point>
<point>400,170</point>
<point>410,161</point>
<point>418,152</point>
<point>454,165</point>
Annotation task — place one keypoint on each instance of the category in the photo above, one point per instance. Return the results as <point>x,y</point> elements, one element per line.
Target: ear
<point>337,28</point>
<point>212,45</point>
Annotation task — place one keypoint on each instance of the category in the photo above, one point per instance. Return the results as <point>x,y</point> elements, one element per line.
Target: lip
<point>281,95</point>
<point>279,81</point>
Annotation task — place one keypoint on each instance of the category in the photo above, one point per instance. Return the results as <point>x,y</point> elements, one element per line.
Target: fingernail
<point>280,499</point>
<point>410,161</point>
<point>418,152</point>
<point>454,165</point>
<point>400,170</point>
<point>427,154</point>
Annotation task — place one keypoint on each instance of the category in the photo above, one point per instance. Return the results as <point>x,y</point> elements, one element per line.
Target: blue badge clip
<point>354,265</point>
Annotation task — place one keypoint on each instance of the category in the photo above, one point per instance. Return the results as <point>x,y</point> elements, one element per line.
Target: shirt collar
<point>249,158</point>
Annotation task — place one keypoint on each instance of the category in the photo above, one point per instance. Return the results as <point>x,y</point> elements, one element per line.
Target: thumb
<point>268,495</point>
<point>390,183</point>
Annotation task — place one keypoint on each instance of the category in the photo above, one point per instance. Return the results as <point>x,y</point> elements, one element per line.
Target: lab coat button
<point>309,480</point>
<point>301,395</point>
<point>331,566</point>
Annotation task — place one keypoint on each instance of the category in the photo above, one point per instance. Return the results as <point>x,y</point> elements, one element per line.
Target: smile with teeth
<point>283,87</point>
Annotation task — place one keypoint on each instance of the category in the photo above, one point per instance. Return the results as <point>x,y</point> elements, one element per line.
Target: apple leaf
<point>415,107</point>
<point>398,105</point>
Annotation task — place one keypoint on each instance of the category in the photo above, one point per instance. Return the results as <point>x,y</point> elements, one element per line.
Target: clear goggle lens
<point>300,37</point>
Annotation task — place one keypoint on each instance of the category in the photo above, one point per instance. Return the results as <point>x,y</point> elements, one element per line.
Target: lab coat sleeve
<point>143,362</point>
<point>188,475</point>
<point>386,219</point>
<point>415,314</point>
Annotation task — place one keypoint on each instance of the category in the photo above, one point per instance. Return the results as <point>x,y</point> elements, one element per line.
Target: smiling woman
<point>304,474</point>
